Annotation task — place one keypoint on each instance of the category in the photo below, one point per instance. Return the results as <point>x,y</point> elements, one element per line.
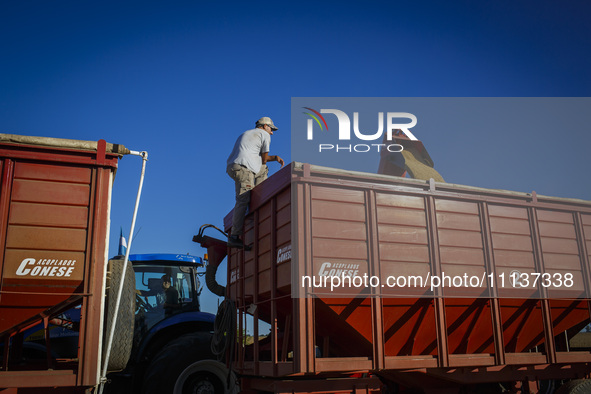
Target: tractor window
<point>162,291</point>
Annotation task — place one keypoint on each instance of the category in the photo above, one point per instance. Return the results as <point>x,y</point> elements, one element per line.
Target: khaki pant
<point>244,180</point>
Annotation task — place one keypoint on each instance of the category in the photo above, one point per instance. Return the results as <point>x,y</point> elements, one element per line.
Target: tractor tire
<point>184,366</point>
<point>579,386</point>
<point>125,319</point>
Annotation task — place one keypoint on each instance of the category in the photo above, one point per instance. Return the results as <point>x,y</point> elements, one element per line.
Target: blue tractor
<point>171,349</point>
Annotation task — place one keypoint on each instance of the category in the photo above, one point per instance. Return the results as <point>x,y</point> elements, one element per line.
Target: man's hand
<point>265,157</point>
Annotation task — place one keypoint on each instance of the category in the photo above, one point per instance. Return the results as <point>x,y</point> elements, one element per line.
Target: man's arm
<point>266,157</point>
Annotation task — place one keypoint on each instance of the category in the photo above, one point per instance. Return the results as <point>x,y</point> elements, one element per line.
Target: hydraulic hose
<point>217,251</point>
<point>212,283</point>
<point>224,334</point>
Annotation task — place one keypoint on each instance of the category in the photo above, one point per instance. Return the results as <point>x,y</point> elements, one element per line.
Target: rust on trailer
<point>54,215</point>
<point>305,217</point>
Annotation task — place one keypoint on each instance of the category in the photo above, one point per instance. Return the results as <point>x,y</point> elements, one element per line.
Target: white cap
<point>268,121</point>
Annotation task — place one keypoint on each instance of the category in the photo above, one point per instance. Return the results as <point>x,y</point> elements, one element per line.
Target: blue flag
<point>122,244</point>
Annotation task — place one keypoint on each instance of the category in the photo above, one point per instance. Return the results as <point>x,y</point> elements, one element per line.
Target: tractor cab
<point>166,285</point>
<point>167,312</point>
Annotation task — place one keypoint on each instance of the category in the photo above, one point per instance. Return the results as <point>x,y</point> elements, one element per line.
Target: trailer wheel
<point>185,365</point>
<point>125,319</point>
<point>580,386</point>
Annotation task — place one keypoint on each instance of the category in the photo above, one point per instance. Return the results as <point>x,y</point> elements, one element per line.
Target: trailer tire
<point>579,386</point>
<point>125,319</point>
<point>178,364</point>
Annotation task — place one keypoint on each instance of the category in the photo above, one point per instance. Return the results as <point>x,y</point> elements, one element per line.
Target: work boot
<point>235,242</point>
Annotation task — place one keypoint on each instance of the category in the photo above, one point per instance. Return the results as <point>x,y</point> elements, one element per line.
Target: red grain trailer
<point>320,222</point>
<point>55,197</point>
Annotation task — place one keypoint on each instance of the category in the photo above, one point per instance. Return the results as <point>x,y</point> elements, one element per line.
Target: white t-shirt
<point>248,148</point>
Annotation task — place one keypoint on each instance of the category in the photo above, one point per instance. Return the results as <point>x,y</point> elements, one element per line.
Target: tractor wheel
<point>186,365</point>
<point>125,319</point>
<point>580,386</point>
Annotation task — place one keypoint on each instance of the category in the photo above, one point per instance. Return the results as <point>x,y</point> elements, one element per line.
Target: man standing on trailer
<point>247,166</point>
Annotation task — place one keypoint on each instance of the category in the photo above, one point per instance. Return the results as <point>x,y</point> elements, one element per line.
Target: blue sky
<point>183,79</point>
